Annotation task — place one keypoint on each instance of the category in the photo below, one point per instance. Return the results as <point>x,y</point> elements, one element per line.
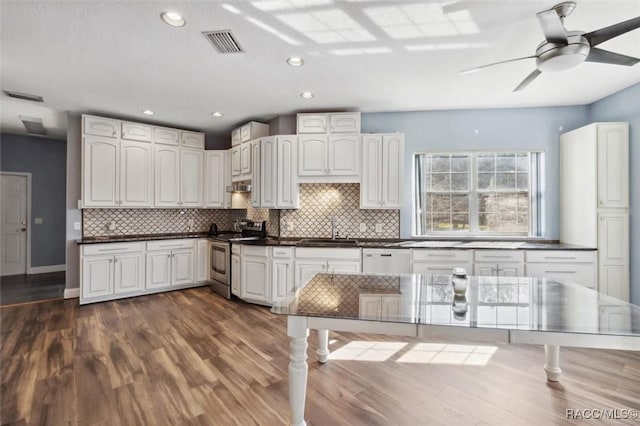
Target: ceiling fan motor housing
<point>552,57</point>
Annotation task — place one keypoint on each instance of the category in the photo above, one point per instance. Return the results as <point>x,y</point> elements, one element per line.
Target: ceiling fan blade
<point>470,70</point>
<point>552,26</point>
<point>527,80</point>
<point>607,57</point>
<point>603,34</point>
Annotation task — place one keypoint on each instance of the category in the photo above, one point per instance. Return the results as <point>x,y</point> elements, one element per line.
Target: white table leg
<point>552,362</point>
<point>323,346</point>
<point>298,368</point>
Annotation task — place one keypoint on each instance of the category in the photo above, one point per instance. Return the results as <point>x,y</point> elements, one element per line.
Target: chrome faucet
<point>333,226</point>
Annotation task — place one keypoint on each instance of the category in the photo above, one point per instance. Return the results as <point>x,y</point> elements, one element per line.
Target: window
<point>479,193</point>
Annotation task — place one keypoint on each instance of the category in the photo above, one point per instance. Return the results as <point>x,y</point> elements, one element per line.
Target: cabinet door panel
<point>192,139</point>
<point>235,161</point>
<point>245,160</point>
<point>215,179</point>
<point>254,278</point>
<point>344,158</point>
<point>158,270</point>
<point>167,176</point>
<point>128,273</point>
<point>312,123</point>
<point>101,180</point>
<point>338,267</point>
<point>136,174</point>
<point>369,306</point>
<point>191,178</point>
<point>306,268</point>
<point>97,276</point>
<point>256,180</point>
<point>392,173</point>
<point>344,123</point>
<point>136,131</point>
<point>312,159</point>
<point>98,126</point>
<point>613,165</point>
<point>202,261</point>
<point>165,136</point>
<point>268,172</point>
<point>371,179</point>
<point>182,267</point>
<point>286,179</point>
<point>282,278</point>
<point>236,276</point>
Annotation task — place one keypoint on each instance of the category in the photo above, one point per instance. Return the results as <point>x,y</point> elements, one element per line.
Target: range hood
<point>239,187</point>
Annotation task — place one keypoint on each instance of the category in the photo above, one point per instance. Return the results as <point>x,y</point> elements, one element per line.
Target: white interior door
<point>14,224</point>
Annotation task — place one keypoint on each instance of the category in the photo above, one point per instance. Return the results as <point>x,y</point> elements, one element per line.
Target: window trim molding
<point>536,196</point>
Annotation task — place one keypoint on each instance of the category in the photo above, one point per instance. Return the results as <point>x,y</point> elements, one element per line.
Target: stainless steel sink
<point>327,242</point>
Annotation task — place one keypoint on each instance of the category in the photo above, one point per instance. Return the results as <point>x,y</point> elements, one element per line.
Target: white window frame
<point>536,193</point>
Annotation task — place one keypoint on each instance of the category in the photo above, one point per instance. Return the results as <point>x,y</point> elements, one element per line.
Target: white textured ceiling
<point>118,58</point>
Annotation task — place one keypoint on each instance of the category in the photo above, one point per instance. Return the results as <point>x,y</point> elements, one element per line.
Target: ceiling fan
<point>564,49</point>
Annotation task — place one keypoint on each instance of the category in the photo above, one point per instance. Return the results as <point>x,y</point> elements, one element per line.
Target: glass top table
<point>541,311</point>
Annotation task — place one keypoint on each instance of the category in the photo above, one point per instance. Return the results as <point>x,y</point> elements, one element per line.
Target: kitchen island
<point>522,310</point>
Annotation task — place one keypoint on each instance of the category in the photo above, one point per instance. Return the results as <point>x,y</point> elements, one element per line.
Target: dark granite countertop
<point>361,242</point>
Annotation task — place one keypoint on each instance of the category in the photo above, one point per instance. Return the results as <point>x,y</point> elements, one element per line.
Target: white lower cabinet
<point>109,271</point>
<point>575,266</point>
<point>202,260</point>
<point>310,261</point>
<point>380,307</point>
<point>282,273</point>
<point>254,275</point>
<point>170,263</point>
<point>498,263</point>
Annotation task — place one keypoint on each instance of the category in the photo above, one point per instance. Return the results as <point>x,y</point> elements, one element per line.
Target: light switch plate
<point>76,226</point>
<point>379,228</point>
<point>38,221</point>
<point>363,227</point>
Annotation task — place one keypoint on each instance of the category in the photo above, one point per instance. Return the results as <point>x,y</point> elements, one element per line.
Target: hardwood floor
<point>29,288</point>
<point>193,358</point>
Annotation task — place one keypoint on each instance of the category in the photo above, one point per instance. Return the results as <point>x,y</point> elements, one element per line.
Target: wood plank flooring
<point>193,358</point>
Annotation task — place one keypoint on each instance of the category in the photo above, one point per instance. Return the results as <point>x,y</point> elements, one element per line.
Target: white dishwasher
<point>395,261</point>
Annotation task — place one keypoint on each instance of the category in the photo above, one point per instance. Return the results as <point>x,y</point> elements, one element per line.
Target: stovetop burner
<point>249,230</point>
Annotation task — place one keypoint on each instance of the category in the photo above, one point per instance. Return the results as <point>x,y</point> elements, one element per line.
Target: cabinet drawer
<point>283,251</point>
<point>579,273</point>
<point>255,251</point>
<point>99,126</point>
<point>562,256</point>
<point>165,136</point>
<point>136,131</point>
<point>328,253</point>
<point>498,256</point>
<point>192,139</point>
<point>111,248</point>
<point>418,255</point>
<point>170,244</point>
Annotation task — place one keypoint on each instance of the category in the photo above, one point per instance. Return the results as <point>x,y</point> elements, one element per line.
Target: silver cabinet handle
<point>560,272</point>
<point>497,257</point>
<point>559,257</point>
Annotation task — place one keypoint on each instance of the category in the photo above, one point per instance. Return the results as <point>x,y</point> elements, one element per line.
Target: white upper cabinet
<point>245,160</point>
<point>255,173</point>
<point>191,178</point>
<point>136,174</point>
<point>382,171</point>
<point>215,181</point>
<point>613,165</point>
<point>329,158</point>
<point>167,176</point>
<point>100,169</point>
<point>191,139</point>
<point>227,178</point>
<point>136,131</point>
<point>235,161</point>
<point>166,136</point>
<point>235,137</point>
<point>278,179</point>
<point>341,122</point>
<point>98,126</point>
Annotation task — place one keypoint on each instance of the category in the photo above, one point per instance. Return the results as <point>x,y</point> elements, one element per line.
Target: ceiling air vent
<point>33,125</point>
<point>23,96</point>
<point>223,41</point>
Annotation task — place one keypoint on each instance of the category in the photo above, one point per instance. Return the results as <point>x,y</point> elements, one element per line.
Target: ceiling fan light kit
<point>564,49</point>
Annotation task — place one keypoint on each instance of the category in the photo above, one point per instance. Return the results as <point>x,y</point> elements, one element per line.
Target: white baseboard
<point>47,269</point>
<point>71,293</point>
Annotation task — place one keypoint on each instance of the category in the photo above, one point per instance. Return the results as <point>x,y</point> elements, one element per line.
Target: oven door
<point>220,261</point>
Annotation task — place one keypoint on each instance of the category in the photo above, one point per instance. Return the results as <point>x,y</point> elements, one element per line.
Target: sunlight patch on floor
<point>367,351</point>
<point>440,353</point>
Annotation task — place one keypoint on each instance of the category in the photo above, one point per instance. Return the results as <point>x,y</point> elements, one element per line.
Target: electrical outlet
<point>363,227</point>
<point>76,226</point>
<point>290,227</point>
<point>379,228</point>
<point>112,226</point>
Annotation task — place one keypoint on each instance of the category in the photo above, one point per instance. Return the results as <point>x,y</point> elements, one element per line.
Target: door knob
<point>22,229</point>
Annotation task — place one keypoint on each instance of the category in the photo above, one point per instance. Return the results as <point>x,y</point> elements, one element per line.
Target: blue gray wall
<point>625,106</point>
<point>520,129</point>
<point>46,160</point>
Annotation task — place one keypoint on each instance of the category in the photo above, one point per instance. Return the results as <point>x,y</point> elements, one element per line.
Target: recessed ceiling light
<point>295,61</point>
<point>148,112</point>
<point>217,114</point>
<point>172,18</point>
<point>306,95</point>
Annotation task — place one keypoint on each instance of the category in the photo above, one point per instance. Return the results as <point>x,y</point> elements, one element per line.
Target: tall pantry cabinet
<point>594,199</point>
